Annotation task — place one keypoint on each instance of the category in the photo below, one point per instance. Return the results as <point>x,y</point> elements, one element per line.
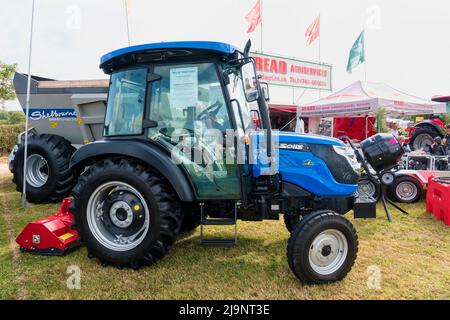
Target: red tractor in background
<point>421,136</point>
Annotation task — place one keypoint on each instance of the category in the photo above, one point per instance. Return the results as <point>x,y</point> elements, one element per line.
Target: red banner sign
<point>282,71</point>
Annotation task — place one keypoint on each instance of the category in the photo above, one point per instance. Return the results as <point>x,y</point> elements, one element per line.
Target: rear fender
<point>420,175</point>
<point>430,123</point>
<point>145,151</point>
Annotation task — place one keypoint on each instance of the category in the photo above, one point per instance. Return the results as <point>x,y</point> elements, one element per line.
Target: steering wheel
<point>211,111</point>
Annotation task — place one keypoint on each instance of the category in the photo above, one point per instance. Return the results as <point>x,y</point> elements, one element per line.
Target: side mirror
<point>249,80</point>
<point>265,90</point>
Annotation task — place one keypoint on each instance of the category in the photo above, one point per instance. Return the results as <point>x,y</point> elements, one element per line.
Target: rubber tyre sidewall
<point>118,257</point>
<point>42,193</point>
<point>393,193</point>
<point>291,221</point>
<point>302,238</point>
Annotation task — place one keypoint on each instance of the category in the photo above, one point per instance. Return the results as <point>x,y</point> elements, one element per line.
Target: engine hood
<point>292,137</point>
<point>308,161</point>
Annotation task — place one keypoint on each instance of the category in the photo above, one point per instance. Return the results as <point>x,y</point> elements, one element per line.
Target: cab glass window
<point>236,91</point>
<point>126,99</point>
<point>188,97</point>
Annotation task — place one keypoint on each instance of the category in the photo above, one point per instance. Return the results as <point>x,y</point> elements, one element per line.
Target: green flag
<point>356,56</point>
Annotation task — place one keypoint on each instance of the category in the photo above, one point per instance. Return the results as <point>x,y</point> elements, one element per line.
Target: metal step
<point>219,242</point>
<point>218,222</point>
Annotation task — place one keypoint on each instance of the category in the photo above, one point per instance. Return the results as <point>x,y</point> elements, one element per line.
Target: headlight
<point>348,153</point>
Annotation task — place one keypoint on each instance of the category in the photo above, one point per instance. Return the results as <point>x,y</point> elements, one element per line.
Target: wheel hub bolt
<point>326,250</point>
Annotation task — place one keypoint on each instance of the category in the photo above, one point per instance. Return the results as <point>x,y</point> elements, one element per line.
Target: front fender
<point>139,149</point>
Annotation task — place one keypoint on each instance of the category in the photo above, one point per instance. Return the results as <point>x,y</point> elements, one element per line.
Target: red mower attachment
<point>50,236</point>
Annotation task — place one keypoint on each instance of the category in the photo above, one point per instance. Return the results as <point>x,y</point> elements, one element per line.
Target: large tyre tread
<point>62,150</point>
<point>166,199</point>
<point>423,130</point>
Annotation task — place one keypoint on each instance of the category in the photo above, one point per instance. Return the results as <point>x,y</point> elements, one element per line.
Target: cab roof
<point>162,51</point>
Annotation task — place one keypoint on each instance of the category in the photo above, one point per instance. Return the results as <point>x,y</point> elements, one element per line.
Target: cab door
<point>242,113</point>
<point>189,107</point>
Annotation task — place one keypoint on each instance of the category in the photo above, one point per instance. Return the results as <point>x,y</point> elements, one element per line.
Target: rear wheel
<point>423,138</point>
<point>322,248</point>
<point>125,214</point>
<point>48,175</point>
<point>405,189</point>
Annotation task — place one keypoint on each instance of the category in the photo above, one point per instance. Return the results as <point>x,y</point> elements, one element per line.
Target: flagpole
<point>27,111</point>
<point>365,56</point>
<point>126,18</point>
<point>320,39</point>
<point>320,35</point>
<point>365,71</point>
<point>262,20</point>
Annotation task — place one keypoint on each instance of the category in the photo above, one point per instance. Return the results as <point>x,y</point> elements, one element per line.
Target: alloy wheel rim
<point>328,252</point>
<point>37,170</point>
<point>406,190</point>
<point>98,219</point>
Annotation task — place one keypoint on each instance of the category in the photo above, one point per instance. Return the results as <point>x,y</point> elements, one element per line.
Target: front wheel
<point>125,214</point>
<point>405,189</point>
<point>322,248</point>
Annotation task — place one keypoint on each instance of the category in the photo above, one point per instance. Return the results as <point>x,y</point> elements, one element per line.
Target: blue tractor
<point>181,150</point>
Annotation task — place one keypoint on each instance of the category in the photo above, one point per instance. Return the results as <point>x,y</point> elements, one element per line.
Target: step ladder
<point>218,222</point>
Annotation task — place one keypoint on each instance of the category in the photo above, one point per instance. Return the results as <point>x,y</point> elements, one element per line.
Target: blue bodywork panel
<point>220,47</point>
<point>301,168</point>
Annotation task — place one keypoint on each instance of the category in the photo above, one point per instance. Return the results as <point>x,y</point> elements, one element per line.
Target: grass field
<point>412,254</point>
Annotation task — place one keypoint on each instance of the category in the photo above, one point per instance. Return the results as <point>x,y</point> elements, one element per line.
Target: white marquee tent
<point>364,98</point>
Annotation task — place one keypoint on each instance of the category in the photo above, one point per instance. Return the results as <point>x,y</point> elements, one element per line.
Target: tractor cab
<point>193,99</point>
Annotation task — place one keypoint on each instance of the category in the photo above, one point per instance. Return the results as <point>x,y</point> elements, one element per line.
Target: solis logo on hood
<point>54,113</point>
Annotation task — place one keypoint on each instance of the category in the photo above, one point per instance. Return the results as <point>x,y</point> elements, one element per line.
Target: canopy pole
<point>27,111</point>
<point>367,124</point>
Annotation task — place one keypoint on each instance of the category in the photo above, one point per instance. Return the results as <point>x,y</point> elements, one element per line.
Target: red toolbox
<point>438,198</point>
